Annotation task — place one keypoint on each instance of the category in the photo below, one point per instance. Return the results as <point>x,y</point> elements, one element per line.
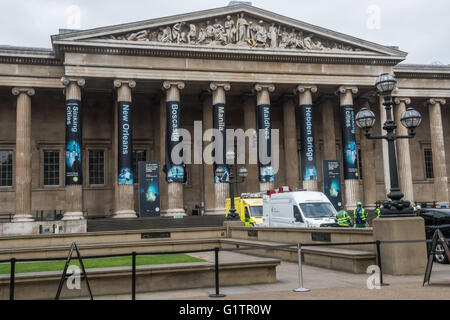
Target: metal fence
<point>216,294</point>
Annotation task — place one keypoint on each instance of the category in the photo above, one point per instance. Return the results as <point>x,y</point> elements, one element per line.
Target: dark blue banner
<point>349,148</point>
<point>149,190</point>
<point>332,182</point>
<point>125,143</point>
<point>309,168</point>
<point>175,171</point>
<point>74,168</point>
<point>264,122</point>
<point>219,123</point>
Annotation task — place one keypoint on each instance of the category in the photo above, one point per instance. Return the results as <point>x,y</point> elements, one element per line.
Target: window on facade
<point>6,168</point>
<point>138,156</point>
<point>96,167</point>
<point>51,168</point>
<point>428,154</point>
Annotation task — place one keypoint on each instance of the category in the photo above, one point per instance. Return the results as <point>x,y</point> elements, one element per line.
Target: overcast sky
<point>419,27</point>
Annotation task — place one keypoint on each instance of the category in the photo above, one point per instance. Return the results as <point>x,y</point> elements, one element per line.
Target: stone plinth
<point>44,227</point>
<point>404,258</point>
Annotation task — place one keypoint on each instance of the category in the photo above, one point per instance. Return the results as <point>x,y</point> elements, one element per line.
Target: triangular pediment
<point>233,28</point>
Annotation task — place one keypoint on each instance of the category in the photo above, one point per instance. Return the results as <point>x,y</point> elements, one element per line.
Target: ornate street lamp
<point>411,119</point>
<point>242,174</point>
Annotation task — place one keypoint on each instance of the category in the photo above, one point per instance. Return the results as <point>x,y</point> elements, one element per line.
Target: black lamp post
<point>411,119</point>
<point>243,173</point>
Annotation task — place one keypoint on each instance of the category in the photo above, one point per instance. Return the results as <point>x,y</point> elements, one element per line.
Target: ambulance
<point>249,206</point>
<point>299,209</point>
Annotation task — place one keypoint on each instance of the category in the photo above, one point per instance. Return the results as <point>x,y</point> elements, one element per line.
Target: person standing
<point>360,215</point>
<point>343,218</point>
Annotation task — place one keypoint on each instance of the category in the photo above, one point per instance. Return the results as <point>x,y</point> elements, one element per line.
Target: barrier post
<point>133,276</point>
<point>12,279</point>
<point>216,263</point>
<point>300,271</point>
<point>378,242</point>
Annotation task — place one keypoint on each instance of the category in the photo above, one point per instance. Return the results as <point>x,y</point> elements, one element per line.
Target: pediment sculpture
<point>239,31</point>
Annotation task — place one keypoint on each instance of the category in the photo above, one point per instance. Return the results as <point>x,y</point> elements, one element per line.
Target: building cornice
<point>22,55</point>
<point>418,71</point>
<point>224,54</point>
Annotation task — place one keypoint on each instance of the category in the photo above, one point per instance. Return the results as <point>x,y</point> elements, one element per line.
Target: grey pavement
<point>324,284</point>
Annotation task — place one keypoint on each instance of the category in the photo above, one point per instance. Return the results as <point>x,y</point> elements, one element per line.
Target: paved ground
<point>324,284</point>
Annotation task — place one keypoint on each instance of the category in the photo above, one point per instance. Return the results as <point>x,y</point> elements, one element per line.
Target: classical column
<point>349,148</point>
<point>308,140</point>
<point>162,153</point>
<point>368,168</point>
<point>124,184</point>
<point>208,169</point>
<point>438,148</point>
<point>264,127</point>
<point>175,172</point>
<point>251,147</point>
<point>290,142</point>
<point>328,129</point>
<point>403,154</point>
<point>23,155</point>
<point>221,188</point>
<point>74,146</point>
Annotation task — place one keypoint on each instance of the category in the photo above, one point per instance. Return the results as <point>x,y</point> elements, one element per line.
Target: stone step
<point>101,225</point>
<point>336,258</point>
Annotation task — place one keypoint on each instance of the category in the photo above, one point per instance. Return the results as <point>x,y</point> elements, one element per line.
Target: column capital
<point>264,86</point>
<point>119,83</point>
<point>213,86</point>
<point>398,100</point>
<point>29,91</point>
<point>79,81</point>
<point>169,84</point>
<point>433,101</point>
<point>345,89</point>
<point>302,88</point>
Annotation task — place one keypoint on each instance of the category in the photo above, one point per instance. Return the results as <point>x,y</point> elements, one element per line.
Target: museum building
<point>77,119</point>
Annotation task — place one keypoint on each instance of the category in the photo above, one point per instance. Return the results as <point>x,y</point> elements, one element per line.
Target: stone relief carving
<point>241,31</point>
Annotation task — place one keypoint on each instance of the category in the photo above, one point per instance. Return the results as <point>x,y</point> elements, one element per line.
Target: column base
<point>266,186</point>
<point>23,218</point>
<point>175,212</point>
<point>70,216</point>
<point>125,214</point>
<point>310,185</point>
<point>351,194</point>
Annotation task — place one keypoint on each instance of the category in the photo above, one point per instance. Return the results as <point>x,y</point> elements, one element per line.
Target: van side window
<point>247,214</point>
<point>297,215</point>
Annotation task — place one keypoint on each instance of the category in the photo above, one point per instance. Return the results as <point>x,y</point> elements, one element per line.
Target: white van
<point>301,209</point>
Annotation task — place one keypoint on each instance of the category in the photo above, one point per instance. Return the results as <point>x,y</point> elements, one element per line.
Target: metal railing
<point>299,246</point>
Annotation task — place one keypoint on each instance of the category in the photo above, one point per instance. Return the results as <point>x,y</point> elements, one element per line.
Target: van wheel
<point>439,254</point>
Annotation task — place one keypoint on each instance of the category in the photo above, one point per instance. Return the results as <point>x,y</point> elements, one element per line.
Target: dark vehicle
<point>437,219</point>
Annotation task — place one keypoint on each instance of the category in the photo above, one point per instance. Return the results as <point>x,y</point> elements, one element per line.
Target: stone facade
<point>198,50</point>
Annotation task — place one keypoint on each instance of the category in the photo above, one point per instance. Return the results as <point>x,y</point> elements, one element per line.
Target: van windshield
<point>317,210</point>
<point>256,211</point>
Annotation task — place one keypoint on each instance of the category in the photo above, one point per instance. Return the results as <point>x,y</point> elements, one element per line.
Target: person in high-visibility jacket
<point>343,218</point>
<point>360,215</point>
<point>378,212</point>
